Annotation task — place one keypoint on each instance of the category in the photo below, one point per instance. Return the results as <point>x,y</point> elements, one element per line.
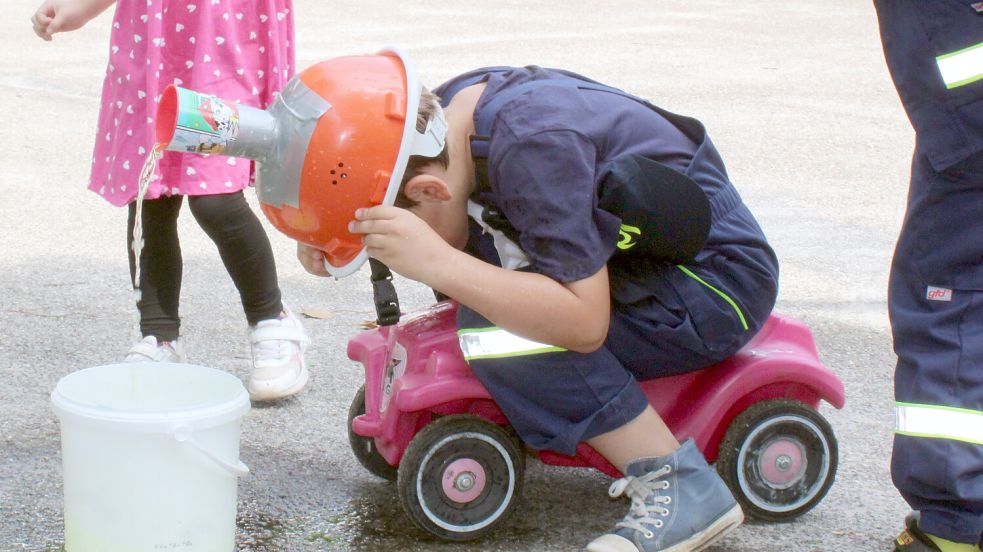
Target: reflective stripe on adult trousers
<point>938,422</point>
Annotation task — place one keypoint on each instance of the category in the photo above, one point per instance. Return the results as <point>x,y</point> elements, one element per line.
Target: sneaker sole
<point>712,534</point>
<point>263,392</point>
<point>700,541</point>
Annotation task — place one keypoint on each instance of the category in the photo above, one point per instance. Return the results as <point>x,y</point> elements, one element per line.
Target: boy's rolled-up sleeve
<point>545,185</point>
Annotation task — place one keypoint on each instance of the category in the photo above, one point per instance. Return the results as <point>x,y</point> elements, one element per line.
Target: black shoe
<point>912,539</point>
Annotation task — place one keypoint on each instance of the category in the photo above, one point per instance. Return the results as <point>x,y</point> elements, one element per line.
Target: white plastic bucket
<point>151,457</point>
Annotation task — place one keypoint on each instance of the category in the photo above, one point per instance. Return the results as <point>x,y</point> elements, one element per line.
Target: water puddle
<point>260,532</point>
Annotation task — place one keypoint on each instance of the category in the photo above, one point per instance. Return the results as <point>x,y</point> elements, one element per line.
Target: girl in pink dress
<point>240,50</point>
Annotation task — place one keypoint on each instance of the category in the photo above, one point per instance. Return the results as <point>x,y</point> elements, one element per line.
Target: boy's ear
<point>424,188</point>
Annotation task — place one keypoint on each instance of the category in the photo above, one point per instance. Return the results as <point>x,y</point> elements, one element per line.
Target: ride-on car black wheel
<point>460,476</point>
<point>364,447</point>
<point>779,458</point>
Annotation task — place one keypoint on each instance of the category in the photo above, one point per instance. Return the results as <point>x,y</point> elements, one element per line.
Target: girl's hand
<point>402,241</point>
<point>57,16</point>
<point>311,259</point>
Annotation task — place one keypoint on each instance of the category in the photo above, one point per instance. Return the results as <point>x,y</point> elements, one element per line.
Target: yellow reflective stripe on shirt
<point>494,342</point>
<point>962,67</point>
<point>938,422</point>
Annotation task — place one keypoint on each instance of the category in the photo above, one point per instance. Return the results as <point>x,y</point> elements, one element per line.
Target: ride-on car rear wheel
<point>779,458</point>
<point>460,476</point>
<point>364,447</point>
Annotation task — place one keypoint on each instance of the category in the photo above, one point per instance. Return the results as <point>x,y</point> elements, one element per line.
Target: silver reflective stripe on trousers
<point>494,342</point>
<point>962,67</point>
<point>938,422</point>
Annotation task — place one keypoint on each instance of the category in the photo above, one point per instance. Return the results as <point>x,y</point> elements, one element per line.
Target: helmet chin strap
<point>429,143</point>
<point>384,294</point>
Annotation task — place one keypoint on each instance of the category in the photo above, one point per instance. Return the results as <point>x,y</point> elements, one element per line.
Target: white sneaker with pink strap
<point>278,347</point>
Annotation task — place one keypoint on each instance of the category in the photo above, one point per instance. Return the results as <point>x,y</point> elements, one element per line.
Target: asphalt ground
<point>795,95</point>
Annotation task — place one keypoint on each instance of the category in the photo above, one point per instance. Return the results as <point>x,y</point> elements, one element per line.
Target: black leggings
<point>242,243</point>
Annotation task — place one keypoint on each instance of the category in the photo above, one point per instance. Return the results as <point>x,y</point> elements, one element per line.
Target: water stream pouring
<point>337,138</point>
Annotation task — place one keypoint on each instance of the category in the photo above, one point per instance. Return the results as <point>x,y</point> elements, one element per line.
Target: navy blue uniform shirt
<point>551,148</point>
<point>548,158</point>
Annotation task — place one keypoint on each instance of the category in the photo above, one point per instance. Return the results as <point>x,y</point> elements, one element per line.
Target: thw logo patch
<point>938,294</point>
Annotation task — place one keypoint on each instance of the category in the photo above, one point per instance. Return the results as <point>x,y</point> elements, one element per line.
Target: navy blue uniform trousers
<point>937,318</point>
<point>936,284</point>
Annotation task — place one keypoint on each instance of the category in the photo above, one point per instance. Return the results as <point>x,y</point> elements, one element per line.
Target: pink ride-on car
<point>423,419</point>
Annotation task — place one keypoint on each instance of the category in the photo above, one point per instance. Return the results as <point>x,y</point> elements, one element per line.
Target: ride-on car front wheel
<point>460,476</point>
<point>364,447</point>
<point>779,458</point>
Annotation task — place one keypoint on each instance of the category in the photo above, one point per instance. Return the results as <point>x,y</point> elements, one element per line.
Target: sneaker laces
<point>641,490</point>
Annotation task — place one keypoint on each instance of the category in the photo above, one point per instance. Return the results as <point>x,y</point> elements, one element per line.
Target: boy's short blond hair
<point>429,105</point>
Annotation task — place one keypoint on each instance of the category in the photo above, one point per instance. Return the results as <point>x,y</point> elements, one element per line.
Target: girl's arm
<point>56,16</point>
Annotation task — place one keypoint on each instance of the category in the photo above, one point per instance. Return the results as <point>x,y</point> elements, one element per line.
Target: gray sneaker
<point>678,504</point>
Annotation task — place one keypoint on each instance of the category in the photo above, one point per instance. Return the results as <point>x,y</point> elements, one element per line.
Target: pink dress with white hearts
<point>235,49</point>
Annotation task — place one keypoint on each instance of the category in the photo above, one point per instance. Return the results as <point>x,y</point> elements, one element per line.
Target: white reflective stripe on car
<point>494,342</point>
<point>938,422</point>
<point>962,67</point>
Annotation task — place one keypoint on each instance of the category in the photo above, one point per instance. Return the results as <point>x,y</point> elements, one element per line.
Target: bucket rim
<point>198,417</point>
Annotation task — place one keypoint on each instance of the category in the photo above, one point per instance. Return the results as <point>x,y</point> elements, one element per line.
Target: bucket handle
<point>183,434</point>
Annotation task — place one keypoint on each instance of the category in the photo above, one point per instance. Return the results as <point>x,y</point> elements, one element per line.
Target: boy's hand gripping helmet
<point>337,138</point>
